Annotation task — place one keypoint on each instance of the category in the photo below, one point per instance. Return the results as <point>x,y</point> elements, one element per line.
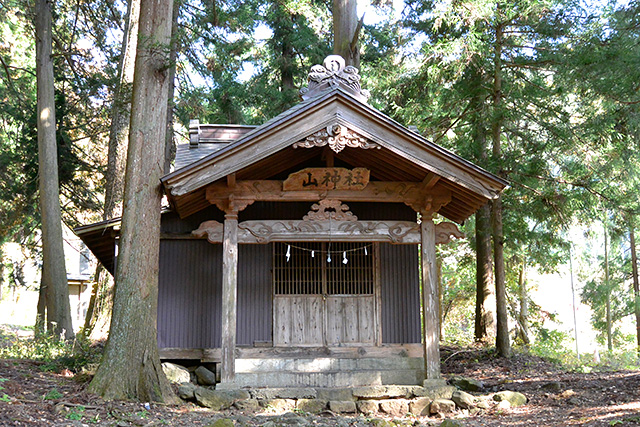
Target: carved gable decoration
<point>445,231</point>
<point>337,137</point>
<point>327,179</point>
<point>329,209</point>
<point>331,74</point>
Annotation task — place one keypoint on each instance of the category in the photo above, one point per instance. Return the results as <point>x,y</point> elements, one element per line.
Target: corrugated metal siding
<point>190,286</point>
<point>171,222</point>
<point>254,294</point>
<point>400,293</point>
<point>189,303</point>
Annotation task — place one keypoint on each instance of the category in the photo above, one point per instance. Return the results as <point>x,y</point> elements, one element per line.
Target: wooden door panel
<point>350,320</point>
<point>298,320</point>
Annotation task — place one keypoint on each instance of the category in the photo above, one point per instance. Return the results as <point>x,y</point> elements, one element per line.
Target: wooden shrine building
<point>289,252</point>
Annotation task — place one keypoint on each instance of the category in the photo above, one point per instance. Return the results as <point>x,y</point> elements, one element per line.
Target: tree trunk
<point>523,316</point>
<point>41,313</point>
<point>502,325</point>
<point>636,284</point>
<point>607,289</point>
<point>443,315</point>
<point>101,303</point>
<point>346,29</point>
<point>1,271</point>
<point>170,147</point>
<point>485,297</point>
<point>131,363</point>
<point>54,273</point>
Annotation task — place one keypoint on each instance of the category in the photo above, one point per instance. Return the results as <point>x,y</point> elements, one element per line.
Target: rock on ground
<point>513,397</point>
<point>175,373</point>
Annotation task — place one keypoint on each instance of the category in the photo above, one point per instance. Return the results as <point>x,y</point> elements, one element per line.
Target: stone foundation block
<point>219,400</point>
<point>335,394</point>
<point>395,407</point>
<point>381,392</point>
<point>440,392</point>
<point>420,406</point>
<point>442,406</point>
<point>312,406</point>
<point>367,407</point>
<point>278,405</point>
<point>284,393</point>
<point>341,406</point>
<point>249,405</point>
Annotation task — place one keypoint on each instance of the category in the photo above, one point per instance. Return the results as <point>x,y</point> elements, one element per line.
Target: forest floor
<point>30,395</point>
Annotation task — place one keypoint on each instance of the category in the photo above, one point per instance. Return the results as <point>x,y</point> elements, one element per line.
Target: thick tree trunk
<point>636,284</point>
<point>54,273</point>
<point>170,146</point>
<point>485,297</point>
<point>101,303</point>
<point>502,324</point>
<point>607,285</point>
<point>346,29</point>
<point>131,363</point>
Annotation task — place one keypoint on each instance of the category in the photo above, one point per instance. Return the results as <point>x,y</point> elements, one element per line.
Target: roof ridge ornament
<point>332,74</point>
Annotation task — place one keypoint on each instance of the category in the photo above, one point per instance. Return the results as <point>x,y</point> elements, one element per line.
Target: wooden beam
<point>231,180</point>
<point>430,180</point>
<point>431,329</point>
<point>342,352</point>
<point>229,297</point>
<point>376,191</point>
<point>267,231</point>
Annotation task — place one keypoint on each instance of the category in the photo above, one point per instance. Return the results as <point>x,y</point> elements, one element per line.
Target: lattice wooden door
<point>318,302</point>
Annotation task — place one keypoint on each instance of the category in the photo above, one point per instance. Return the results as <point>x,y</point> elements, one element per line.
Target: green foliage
<point>53,394</point>
<point>4,397</point>
<point>56,354</point>
<point>76,413</point>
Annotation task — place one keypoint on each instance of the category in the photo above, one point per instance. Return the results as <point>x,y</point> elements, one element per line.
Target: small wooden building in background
<point>289,252</point>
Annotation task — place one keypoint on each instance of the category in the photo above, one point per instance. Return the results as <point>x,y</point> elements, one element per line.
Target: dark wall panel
<point>400,291</point>
<point>190,285</point>
<point>254,294</point>
<point>172,223</point>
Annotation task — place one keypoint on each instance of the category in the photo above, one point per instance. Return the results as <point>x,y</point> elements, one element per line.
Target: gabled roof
<point>402,150</point>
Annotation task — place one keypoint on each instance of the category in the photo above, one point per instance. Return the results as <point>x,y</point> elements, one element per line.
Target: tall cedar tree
<point>54,273</point>
<point>346,30</point>
<point>100,307</point>
<point>131,364</point>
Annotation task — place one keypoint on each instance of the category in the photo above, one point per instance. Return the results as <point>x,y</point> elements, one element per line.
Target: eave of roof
<point>341,107</point>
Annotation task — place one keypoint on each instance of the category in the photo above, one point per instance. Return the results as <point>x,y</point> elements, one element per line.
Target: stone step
<point>328,364</point>
<point>329,378</point>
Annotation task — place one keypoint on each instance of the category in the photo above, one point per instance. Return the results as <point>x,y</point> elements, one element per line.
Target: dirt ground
<point>31,397</point>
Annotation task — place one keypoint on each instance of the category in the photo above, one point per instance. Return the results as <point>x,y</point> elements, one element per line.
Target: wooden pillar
<point>430,302</point>
<point>229,297</point>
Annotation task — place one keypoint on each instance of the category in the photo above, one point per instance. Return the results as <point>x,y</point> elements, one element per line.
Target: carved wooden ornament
<point>337,137</point>
<point>260,232</point>
<point>331,74</point>
<point>329,209</point>
<point>445,231</point>
<point>327,179</point>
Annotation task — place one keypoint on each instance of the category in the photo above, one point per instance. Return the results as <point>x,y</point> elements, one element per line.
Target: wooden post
<point>430,301</point>
<point>229,297</point>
